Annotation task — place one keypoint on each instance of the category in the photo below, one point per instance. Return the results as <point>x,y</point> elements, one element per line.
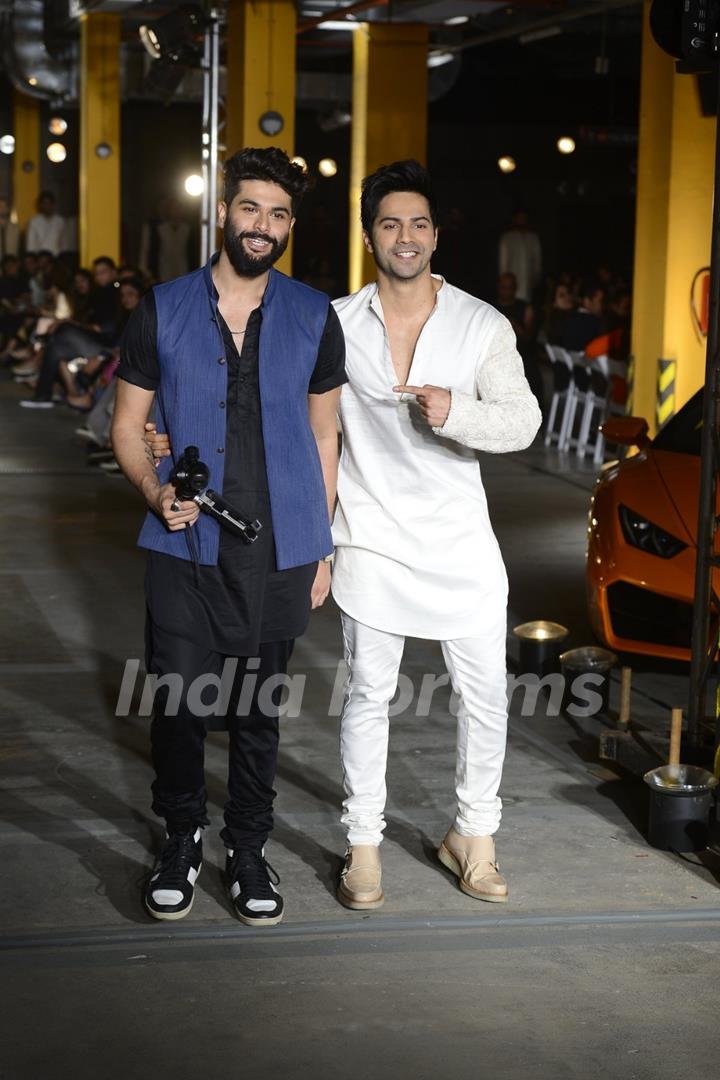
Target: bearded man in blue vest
<point>245,364</point>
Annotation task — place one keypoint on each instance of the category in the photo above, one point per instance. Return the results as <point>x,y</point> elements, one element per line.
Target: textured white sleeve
<point>505,414</point>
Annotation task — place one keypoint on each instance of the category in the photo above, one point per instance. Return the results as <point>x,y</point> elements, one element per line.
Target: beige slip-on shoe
<point>472,860</point>
<point>360,885</point>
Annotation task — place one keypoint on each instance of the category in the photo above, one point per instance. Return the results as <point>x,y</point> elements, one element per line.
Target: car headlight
<point>643,534</point>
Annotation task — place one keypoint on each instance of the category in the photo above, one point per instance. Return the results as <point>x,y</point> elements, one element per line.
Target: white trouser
<point>478,675</point>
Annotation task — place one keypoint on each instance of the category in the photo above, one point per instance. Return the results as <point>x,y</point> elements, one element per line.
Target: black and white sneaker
<point>252,882</point>
<point>169,892</point>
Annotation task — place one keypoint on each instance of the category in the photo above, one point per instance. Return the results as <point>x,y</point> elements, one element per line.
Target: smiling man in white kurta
<point>434,376</point>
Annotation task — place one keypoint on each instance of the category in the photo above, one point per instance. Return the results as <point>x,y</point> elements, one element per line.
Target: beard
<point>247,265</point>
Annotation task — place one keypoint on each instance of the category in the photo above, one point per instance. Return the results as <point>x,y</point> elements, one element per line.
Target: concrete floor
<point>604,963</point>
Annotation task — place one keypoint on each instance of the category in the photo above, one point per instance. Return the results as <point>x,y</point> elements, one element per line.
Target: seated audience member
<point>71,340</point>
<point>517,311</point>
<point>587,321</point>
<point>9,230</point>
<point>80,296</point>
<point>13,298</point>
<point>521,316</point>
<point>44,261</point>
<point>104,296</point>
<point>557,313</point>
<point>125,272</point>
<point>80,380</point>
<point>55,310</point>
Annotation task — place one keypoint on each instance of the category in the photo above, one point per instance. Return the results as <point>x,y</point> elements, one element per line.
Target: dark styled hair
<point>105,260</point>
<point>269,164</point>
<point>589,287</point>
<point>400,176</point>
<point>135,283</point>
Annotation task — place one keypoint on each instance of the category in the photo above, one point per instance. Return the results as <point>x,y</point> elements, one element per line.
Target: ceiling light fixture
<point>56,153</point>
<point>177,36</point>
<point>342,25</point>
<point>437,59</point>
<point>327,167</point>
<point>507,164</point>
<point>194,185</point>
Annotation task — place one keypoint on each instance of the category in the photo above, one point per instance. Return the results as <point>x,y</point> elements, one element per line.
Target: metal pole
<point>211,82</point>
<point>703,649</point>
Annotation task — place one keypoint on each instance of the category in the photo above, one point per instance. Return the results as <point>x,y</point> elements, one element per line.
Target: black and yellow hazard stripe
<point>665,409</point>
<point>630,383</point>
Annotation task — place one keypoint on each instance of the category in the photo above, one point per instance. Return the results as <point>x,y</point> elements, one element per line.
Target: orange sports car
<point>642,537</point>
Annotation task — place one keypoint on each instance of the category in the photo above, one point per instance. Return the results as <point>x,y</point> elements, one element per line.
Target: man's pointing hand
<point>434,402</point>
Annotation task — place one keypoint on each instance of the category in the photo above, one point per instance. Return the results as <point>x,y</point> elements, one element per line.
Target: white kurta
<point>415,552</point>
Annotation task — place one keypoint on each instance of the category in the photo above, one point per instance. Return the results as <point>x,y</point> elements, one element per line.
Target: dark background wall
<point>505,99</point>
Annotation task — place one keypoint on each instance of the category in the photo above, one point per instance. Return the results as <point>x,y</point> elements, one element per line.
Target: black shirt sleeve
<point>138,348</point>
<point>329,371</point>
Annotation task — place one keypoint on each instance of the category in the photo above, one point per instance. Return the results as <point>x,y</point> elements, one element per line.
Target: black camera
<point>191,477</point>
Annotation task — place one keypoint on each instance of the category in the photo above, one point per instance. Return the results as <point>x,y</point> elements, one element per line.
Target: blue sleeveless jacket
<point>191,409</point>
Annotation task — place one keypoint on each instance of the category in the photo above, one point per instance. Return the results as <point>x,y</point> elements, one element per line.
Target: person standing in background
<point>9,231</point>
<point>168,243</point>
<point>520,254</point>
<point>46,229</point>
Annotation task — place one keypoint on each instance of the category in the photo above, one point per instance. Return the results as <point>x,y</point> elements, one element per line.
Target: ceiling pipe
<point>568,15</point>
<point>25,57</point>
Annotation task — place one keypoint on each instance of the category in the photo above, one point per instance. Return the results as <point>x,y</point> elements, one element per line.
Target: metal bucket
<point>680,799</point>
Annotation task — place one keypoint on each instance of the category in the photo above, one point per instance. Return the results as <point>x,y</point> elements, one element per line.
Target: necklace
<point>236,332</point>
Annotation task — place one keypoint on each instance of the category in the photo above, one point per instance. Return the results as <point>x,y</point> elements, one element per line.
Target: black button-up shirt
<point>245,600</point>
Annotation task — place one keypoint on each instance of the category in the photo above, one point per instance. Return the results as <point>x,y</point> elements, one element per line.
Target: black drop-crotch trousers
<point>178,734</point>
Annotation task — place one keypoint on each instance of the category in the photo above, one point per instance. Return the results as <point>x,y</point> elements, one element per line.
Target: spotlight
<point>271,123</point>
<point>539,646</point>
<point>437,59</point>
<point>176,36</point>
<point>57,125</point>
<point>507,164</point>
<point>56,152</point>
<point>327,167</point>
<point>7,144</point>
<point>457,20</point>
<point>32,81</point>
<point>566,145</point>
<point>342,26</point>
<point>194,185</point>
<point>301,162</point>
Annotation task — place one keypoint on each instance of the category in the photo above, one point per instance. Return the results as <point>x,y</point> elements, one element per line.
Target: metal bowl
<point>589,658</point>
<point>680,780</point>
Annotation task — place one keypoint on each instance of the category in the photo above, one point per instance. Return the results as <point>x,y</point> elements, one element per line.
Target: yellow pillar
<point>26,161</point>
<point>261,52</point>
<point>673,226</point>
<point>389,115</point>
<point>99,127</point>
